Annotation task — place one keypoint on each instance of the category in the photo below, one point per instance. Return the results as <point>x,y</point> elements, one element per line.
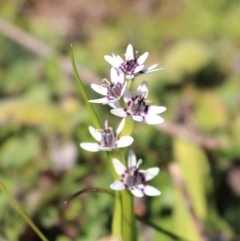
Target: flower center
<point>114,90</point>
<point>108,138</point>
<point>135,176</point>
<point>138,106</point>
<point>129,66</point>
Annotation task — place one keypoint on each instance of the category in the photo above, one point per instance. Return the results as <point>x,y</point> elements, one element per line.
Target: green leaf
<point>160,229</point>
<point>194,168</point>
<point>84,94</point>
<point>183,223</point>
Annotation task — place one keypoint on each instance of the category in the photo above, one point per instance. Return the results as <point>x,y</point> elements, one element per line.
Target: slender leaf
<point>84,93</point>
<point>160,229</point>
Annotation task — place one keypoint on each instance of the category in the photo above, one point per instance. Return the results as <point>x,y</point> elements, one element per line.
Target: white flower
<point>133,178</point>
<point>132,66</point>
<point>138,108</point>
<point>113,90</point>
<point>107,139</point>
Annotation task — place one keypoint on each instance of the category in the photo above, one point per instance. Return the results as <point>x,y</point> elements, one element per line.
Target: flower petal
<point>136,192</point>
<point>151,191</point>
<point>114,105</point>
<point>123,88</point>
<point>153,119</point>
<point>114,76</point>
<point>141,59</point>
<point>117,185</point>
<point>129,53</point>
<point>120,59</point>
<point>120,126</point>
<point>152,67</point>
<point>105,148</point>
<point>93,147</point>
<point>121,78</point>
<point>153,109</point>
<point>150,173</point>
<point>132,161</point>
<point>148,70</point>
<point>119,167</point>
<point>143,89</point>
<point>124,141</point>
<point>109,102</point>
<point>120,112</point>
<point>138,118</point>
<point>115,62</point>
<point>96,134</point>
<point>101,101</point>
<point>127,96</point>
<point>129,76</point>
<point>99,89</point>
<point>138,69</point>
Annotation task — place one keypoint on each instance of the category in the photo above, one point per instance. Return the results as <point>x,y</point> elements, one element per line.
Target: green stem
<point>124,210</point>
<point>128,219</point>
<point>129,227</point>
<point>130,82</point>
<point>117,214</point>
<point>21,212</point>
<point>117,217</point>
<point>124,224</point>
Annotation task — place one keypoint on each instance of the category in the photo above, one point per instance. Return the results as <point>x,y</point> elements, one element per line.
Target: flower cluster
<point>117,94</point>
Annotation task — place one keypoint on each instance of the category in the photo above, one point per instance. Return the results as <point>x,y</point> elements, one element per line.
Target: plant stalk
<point>21,212</point>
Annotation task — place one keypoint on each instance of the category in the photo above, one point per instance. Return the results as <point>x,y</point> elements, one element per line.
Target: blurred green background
<point>43,117</point>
